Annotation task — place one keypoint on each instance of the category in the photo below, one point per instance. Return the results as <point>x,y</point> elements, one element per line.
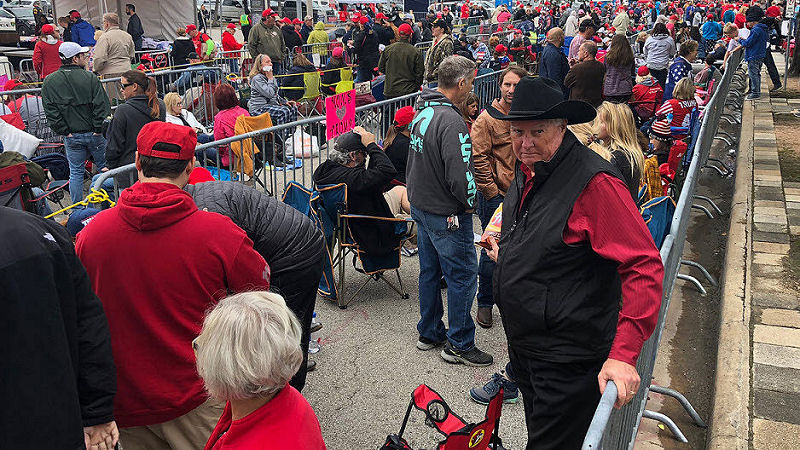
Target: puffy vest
<point>558,302</point>
<point>244,20</point>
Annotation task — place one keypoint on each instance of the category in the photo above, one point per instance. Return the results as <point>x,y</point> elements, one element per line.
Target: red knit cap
<point>167,141</point>
<point>404,116</point>
<point>405,29</point>
<point>643,71</point>
<point>191,27</point>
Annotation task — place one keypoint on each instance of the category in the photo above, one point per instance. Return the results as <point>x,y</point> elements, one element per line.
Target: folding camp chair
<point>15,188</point>
<point>336,224</point>
<point>311,102</point>
<point>459,435</point>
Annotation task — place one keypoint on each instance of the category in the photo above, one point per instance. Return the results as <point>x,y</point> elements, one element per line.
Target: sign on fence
<point>340,113</point>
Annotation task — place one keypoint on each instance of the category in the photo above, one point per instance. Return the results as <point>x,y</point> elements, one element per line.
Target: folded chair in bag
<point>307,202</point>
<point>337,223</point>
<point>56,166</point>
<point>15,188</point>
<point>657,214</point>
<point>459,435</point>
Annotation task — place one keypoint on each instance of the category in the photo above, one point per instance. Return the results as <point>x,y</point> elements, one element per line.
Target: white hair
<point>249,346</point>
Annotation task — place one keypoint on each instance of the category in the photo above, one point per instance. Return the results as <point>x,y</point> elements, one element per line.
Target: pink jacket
<point>224,124</point>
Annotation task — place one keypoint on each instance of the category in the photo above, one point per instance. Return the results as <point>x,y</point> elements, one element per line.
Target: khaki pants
<point>189,431</point>
<point>113,88</point>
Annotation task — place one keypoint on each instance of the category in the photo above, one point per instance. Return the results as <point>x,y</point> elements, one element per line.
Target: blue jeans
<point>42,208</point>
<point>209,154</point>
<point>486,266</point>
<point>754,72</point>
<point>184,82</point>
<point>79,147</point>
<point>363,75</point>
<point>451,253</point>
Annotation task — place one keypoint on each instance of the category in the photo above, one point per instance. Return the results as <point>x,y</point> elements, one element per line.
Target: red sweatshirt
<point>158,264</point>
<point>46,59</point>
<point>285,422</point>
<point>230,43</point>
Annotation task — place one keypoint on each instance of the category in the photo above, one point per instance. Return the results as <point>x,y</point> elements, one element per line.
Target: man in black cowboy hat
<point>578,278</point>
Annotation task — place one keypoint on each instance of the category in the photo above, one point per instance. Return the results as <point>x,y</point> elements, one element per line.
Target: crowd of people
<point>147,331</point>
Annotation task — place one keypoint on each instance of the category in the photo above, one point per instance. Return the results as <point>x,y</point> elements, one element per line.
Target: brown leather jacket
<point>491,152</point>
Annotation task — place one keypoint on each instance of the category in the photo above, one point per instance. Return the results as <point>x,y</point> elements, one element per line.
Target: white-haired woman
<point>246,354</point>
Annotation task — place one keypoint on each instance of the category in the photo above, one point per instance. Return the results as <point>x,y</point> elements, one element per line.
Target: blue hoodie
<point>83,33</point>
<point>755,46</point>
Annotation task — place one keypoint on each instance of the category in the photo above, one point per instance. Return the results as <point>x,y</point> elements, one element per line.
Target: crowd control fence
<point>277,145</point>
<point>617,429</point>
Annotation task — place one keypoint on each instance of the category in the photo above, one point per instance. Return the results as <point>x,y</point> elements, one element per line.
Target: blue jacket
<point>711,31</point>
<point>83,33</point>
<point>553,65</point>
<point>755,46</point>
<point>680,69</point>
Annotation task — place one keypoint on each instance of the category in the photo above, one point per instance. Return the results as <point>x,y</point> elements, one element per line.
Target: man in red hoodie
<point>158,264</point>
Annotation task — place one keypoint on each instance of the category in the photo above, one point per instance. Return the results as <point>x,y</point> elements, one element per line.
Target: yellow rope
<point>95,196</point>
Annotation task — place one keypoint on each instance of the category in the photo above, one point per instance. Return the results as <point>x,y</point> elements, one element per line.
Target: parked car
<point>26,24</point>
<point>8,28</point>
<point>321,9</point>
<point>46,6</point>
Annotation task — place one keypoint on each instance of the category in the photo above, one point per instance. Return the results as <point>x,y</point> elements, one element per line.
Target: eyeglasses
<point>125,85</point>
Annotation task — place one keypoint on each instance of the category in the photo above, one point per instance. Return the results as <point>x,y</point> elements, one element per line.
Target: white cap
<point>70,49</point>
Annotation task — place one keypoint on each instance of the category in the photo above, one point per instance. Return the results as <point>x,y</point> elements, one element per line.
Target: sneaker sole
<point>455,359</point>
<point>425,347</point>
<point>509,401</point>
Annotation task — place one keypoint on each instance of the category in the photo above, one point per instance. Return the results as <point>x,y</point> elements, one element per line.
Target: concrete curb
<point>730,421</point>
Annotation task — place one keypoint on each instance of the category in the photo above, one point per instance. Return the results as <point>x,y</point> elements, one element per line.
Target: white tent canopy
<point>159,18</point>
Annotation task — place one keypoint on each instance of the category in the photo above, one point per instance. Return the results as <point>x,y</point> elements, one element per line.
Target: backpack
<point>657,214</point>
<point>55,163</point>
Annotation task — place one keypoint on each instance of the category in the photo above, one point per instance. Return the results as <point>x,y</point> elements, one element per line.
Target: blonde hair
<point>97,34</point>
<point>249,346</point>
<point>621,129</point>
<point>256,68</point>
<point>684,90</point>
<point>111,18</point>
<point>730,29</point>
<point>585,134</point>
<point>171,100</point>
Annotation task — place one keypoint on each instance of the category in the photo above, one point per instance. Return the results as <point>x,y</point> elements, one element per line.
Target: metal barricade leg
<point>702,270</point>
<point>683,401</point>
<point>694,281</point>
<point>704,209</point>
<point>663,418</point>
<point>710,202</point>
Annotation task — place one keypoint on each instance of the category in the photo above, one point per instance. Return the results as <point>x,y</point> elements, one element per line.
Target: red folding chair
<point>459,435</point>
<point>15,188</point>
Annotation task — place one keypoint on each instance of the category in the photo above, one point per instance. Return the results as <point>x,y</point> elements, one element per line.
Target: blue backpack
<point>657,214</point>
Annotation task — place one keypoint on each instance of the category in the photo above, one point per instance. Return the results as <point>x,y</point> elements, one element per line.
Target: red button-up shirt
<point>606,217</point>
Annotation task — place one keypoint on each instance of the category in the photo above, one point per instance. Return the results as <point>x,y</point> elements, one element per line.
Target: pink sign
<point>340,113</point>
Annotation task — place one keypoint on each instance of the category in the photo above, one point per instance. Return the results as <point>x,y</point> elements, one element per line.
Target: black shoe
<point>775,88</point>
<point>485,393</point>
<point>474,357</point>
<point>426,344</point>
<point>311,365</point>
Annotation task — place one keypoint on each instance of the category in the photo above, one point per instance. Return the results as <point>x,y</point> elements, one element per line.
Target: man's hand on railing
<point>625,377</point>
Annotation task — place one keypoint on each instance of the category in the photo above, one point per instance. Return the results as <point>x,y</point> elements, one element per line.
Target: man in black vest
<point>578,278</point>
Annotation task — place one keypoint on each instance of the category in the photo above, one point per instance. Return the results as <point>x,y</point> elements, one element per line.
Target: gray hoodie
<point>659,51</point>
<point>439,173</point>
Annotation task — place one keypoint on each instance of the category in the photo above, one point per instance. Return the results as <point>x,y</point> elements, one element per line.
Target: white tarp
<point>159,18</point>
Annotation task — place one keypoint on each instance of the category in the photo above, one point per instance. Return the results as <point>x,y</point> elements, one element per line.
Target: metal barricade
<point>27,73</point>
<point>616,429</point>
<point>28,103</point>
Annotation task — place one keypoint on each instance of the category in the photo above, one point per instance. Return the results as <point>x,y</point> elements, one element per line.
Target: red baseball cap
<point>75,15</point>
<point>286,20</point>
<point>380,16</point>
<point>297,21</point>
<point>191,27</point>
<point>232,26</point>
<point>200,175</point>
<point>11,84</point>
<point>363,20</point>
<point>48,29</point>
<point>268,12</point>
<point>405,29</point>
<point>500,48</point>
<point>404,116</point>
<point>167,141</point>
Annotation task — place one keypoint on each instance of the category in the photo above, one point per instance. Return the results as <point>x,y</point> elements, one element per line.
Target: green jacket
<point>74,101</point>
<point>402,64</point>
<point>436,54</point>
<point>319,36</point>
<point>265,40</point>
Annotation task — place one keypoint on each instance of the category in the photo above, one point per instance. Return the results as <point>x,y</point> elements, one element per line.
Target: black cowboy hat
<point>541,98</point>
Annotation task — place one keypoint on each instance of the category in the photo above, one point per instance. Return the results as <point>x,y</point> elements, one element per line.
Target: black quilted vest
<point>558,302</point>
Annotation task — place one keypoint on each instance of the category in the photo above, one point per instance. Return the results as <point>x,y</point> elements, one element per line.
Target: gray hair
<point>111,18</point>
<point>338,157</point>
<point>453,69</point>
<point>249,346</point>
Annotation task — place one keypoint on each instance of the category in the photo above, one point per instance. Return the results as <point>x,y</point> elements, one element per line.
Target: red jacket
<point>46,59</point>
<point>229,43</point>
<point>285,422</point>
<point>647,98</point>
<point>158,263</point>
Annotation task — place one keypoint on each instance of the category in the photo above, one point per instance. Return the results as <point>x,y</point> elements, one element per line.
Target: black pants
<point>559,400</point>
<point>772,70</point>
<point>299,289</point>
<point>660,76</point>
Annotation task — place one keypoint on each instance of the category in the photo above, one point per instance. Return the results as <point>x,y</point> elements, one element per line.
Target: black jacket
<point>181,48</point>
<point>58,373</point>
<point>331,77</point>
<point>128,120</point>
<point>398,154</point>
<point>385,34</point>
<point>291,38</point>
<point>558,302</point>
<point>295,81</point>
<point>365,46</point>
<point>135,27</point>
<point>285,237</point>
<point>365,186</point>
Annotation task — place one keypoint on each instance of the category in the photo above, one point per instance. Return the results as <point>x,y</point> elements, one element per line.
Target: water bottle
<point>313,344</point>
